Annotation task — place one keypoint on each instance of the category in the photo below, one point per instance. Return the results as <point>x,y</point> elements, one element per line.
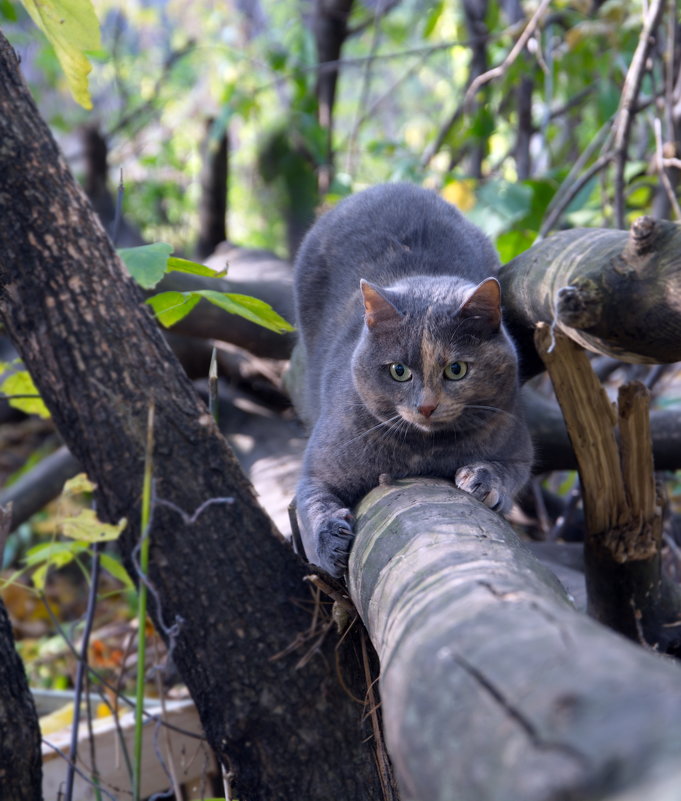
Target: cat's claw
<point>484,484</point>
<point>334,540</point>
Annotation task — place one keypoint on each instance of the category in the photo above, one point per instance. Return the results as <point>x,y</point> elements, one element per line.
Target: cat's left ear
<point>484,304</point>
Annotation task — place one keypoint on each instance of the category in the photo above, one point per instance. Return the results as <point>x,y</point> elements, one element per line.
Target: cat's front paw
<point>483,483</point>
<point>334,540</point>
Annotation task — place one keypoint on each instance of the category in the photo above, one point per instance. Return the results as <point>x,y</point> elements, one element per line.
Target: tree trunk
<point>213,201</point>
<point>493,687</point>
<point>330,32</point>
<point>21,771</point>
<point>232,603</point>
<point>613,292</point>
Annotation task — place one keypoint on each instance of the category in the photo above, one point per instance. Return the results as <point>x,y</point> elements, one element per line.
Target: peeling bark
<point>626,587</point>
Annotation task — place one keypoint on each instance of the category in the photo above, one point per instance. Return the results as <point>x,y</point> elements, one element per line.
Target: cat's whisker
<point>383,423</point>
<point>492,409</point>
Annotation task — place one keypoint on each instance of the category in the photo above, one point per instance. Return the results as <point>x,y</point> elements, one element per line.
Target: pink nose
<point>426,411</point>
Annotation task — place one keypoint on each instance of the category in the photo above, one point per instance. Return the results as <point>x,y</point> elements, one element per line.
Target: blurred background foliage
<point>172,73</point>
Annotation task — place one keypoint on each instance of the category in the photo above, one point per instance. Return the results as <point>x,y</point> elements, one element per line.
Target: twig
<point>574,190</point>
<point>513,54</point>
<point>81,773</point>
<point>382,758</point>
<point>213,401</point>
<point>107,684</point>
<point>630,92</point>
<point>659,157</point>
<point>118,211</point>
<point>363,101</point>
<point>81,670</point>
<point>148,105</point>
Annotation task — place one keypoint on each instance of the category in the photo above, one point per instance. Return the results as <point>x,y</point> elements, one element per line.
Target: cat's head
<point>434,352</point>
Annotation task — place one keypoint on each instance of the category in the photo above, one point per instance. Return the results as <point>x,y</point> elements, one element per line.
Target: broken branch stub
<point>626,586</point>
<point>614,292</point>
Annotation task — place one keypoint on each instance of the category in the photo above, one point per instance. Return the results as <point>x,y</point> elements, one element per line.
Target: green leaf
<point>193,268</point>
<point>117,570</point>
<point>432,19</point>
<point>257,311</point>
<point>21,383</point>
<point>53,552</point>
<point>8,11</point>
<point>513,243</point>
<point>72,27</point>
<point>169,307</point>
<point>147,264</point>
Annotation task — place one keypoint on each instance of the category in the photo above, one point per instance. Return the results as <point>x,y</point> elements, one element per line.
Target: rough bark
<point>20,762</point>
<point>230,592</point>
<point>626,587</point>
<point>613,292</point>
<point>493,687</point>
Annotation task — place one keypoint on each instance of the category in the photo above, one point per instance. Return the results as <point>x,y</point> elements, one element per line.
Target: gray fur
<point>426,266</point>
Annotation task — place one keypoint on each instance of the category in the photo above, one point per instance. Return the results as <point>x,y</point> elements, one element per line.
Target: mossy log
<point>493,687</point>
<point>614,292</point>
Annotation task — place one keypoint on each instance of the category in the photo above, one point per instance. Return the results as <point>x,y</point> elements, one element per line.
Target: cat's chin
<point>427,425</point>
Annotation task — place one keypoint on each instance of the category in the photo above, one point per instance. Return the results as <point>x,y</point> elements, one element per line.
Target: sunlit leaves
<point>169,307</point>
<point>21,393</point>
<point>80,526</point>
<point>72,28</point>
<point>147,264</point>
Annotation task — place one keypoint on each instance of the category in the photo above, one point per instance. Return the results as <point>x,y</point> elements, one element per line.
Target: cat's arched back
<point>409,369</point>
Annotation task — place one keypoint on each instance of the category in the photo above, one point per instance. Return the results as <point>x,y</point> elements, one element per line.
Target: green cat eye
<point>399,371</point>
<point>456,371</point>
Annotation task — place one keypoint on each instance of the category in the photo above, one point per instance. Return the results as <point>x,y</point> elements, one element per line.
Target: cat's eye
<point>399,371</point>
<point>456,371</point>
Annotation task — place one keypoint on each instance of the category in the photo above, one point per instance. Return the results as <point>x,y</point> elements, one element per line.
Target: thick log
<point>613,292</point>
<point>493,687</point>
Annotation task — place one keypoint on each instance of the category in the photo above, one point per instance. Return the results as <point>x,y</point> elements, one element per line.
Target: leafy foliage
<point>149,263</point>
<point>20,390</point>
<point>72,28</point>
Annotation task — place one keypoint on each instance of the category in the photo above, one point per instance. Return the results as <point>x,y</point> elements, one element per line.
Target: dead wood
<point>493,687</point>
<point>614,292</point>
<point>626,586</point>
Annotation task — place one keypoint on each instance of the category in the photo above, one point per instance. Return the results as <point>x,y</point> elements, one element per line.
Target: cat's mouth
<point>428,423</point>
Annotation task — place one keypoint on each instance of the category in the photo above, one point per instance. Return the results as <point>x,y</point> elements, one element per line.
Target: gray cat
<point>409,370</point>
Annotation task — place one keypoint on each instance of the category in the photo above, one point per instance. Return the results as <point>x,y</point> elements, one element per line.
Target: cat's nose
<point>427,410</point>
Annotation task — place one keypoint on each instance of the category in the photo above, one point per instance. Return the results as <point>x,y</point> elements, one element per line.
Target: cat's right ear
<point>377,308</point>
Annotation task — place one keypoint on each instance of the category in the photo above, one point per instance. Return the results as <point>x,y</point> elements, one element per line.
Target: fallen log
<point>494,688</point>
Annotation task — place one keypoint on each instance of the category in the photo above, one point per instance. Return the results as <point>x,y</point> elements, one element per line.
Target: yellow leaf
<point>460,193</point>
<point>21,384</point>
<point>60,719</point>
<point>86,528</point>
<point>71,27</point>
<point>78,484</point>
